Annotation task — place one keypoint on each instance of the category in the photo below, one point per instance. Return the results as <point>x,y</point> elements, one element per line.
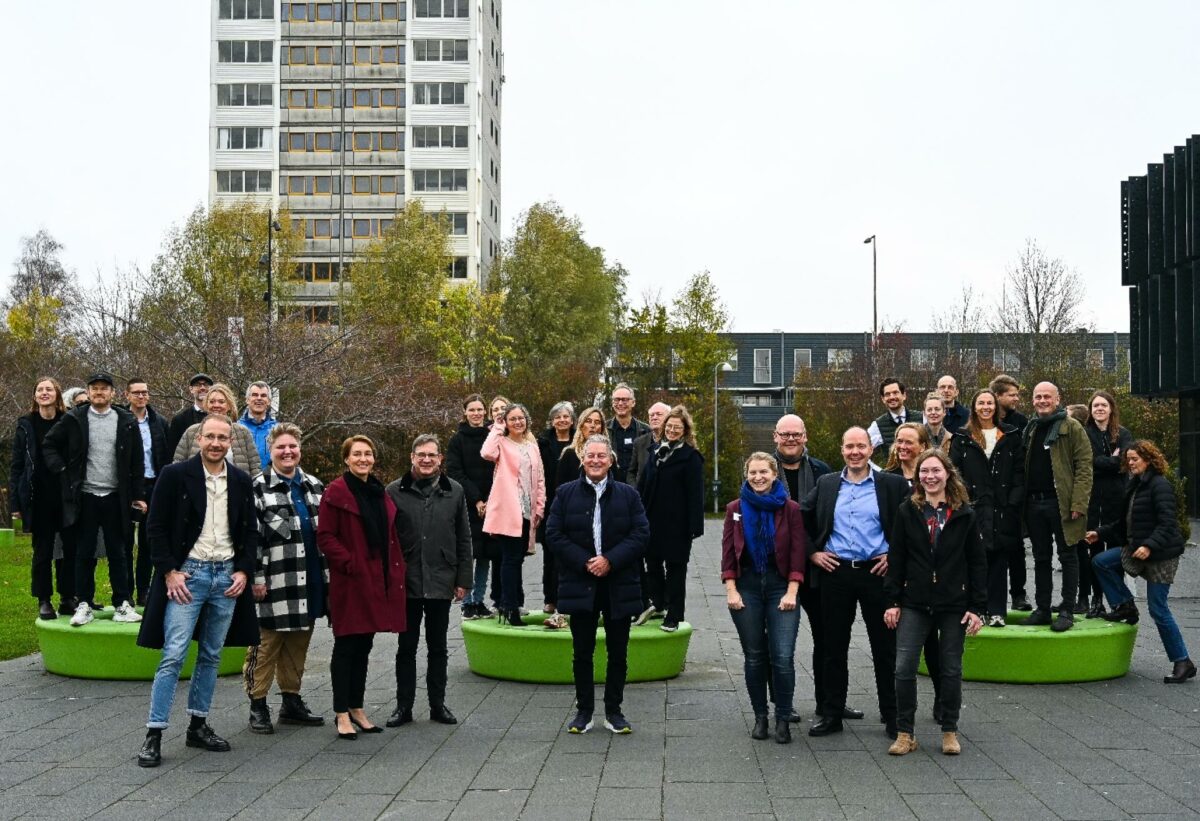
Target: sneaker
<point>643,617</point>
<point>126,614</point>
<point>1038,618</point>
<point>472,612</point>
<point>580,724</point>
<point>1021,603</point>
<point>1064,622</point>
<point>996,621</point>
<point>619,726</point>
<point>659,615</point>
<point>83,615</point>
<point>555,622</point>
<point>669,626</point>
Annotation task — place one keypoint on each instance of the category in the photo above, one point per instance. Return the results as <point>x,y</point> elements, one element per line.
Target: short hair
<point>558,408</point>
<point>760,456</point>
<point>1079,413</point>
<point>258,384</point>
<point>1150,453</point>
<point>284,429</point>
<point>225,391</point>
<point>349,442</point>
<point>425,439</point>
<point>211,418</point>
<point>625,386</point>
<point>956,491</point>
<point>891,380</point>
<point>133,380</point>
<point>1003,383</point>
<point>60,404</point>
<point>598,439</point>
<point>689,430</point>
<point>934,396</point>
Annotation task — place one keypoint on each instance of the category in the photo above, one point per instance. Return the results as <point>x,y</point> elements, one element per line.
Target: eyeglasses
<point>426,455</point>
<point>790,435</point>
<point>139,393</point>
<point>622,399</point>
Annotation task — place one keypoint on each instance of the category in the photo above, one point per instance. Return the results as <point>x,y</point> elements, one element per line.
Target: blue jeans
<point>760,622</point>
<point>477,592</point>
<point>207,582</point>
<point>1112,579</point>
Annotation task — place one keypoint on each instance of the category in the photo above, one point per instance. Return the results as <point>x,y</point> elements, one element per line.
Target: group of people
<point>924,546</point>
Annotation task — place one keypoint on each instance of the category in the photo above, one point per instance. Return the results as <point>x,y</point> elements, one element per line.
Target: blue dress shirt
<point>857,530</point>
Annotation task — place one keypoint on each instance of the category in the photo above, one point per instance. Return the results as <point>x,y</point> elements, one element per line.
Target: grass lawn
<point>18,610</point>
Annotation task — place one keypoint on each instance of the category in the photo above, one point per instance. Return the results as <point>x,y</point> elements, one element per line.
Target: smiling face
<point>199,390</point>
<point>475,413</point>
<point>622,402</point>
<point>790,438</point>
<point>361,460</point>
<point>856,449</point>
<point>45,394</point>
<point>100,394</point>
<point>216,403</point>
<point>214,437</point>
<point>426,460</point>
<point>596,460</point>
<point>1045,398</point>
<point>907,444</point>
<point>932,476</point>
<point>562,421</point>
<point>138,394</point>
<point>985,408</point>
<point>1101,412</point>
<point>285,454</point>
<point>1009,399</point>
<point>497,409</point>
<point>259,400</point>
<point>673,429</point>
<point>759,475</point>
<point>592,424</point>
<point>935,412</point>
<point>893,397</point>
<point>516,423</point>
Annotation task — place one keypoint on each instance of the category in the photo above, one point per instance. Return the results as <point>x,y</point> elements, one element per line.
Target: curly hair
<point>1150,454</point>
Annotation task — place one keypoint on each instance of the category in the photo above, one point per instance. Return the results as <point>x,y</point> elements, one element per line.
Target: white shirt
<point>599,488</point>
<point>214,543</point>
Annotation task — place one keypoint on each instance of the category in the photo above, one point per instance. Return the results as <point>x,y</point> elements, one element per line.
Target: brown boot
<point>903,745</point>
<point>950,745</point>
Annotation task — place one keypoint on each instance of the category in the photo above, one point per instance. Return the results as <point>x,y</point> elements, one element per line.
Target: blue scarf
<point>758,521</point>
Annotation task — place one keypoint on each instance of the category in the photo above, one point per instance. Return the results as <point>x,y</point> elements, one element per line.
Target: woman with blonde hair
<point>570,461</point>
<point>935,415</point>
<point>912,439</point>
<point>243,453</point>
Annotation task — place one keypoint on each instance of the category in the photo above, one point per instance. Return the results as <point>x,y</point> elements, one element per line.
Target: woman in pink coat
<point>516,504</point>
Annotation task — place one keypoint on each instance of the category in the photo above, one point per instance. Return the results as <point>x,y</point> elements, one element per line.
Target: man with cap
<point>96,450</point>
<point>198,387</point>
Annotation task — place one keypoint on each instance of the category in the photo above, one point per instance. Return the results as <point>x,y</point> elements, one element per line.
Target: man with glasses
<point>155,456</point>
<point>957,414</point>
<point>623,429</point>
<point>645,444</point>
<point>435,535</point>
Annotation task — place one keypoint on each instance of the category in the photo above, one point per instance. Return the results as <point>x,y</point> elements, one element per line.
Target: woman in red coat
<point>356,532</point>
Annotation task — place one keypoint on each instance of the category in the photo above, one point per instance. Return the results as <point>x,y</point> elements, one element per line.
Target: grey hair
<point>626,386</point>
<point>258,384</point>
<point>601,439</point>
<point>70,394</point>
<point>424,439</point>
<point>558,408</point>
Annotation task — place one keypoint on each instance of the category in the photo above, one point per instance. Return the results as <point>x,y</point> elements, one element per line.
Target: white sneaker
<point>83,614</point>
<point>644,617</point>
<point>126,613</point>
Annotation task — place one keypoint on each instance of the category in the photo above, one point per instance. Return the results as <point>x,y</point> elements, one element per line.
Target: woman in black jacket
<point>1150,547</point>
<point>990,458</point>
<point>551,443</point>
<point>935,583</point>
<point>37,496</point>
<point>672,489</point>
<point>465,465</point>
<point>1109,441</point>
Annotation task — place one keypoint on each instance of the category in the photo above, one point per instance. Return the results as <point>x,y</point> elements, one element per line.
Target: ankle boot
<point>1182,672</point>
<point>260,717</point>
<point>1125,611</point>
<point>783,731</point>
<point>295,711</point>
<point>904,744</point>
<point>761,730</point>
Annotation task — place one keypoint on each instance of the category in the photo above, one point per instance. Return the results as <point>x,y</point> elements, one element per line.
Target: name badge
<point>737,517</point>
<point>628,441</point>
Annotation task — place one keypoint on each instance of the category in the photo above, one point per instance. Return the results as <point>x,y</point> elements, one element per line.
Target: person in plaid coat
<point>289,581</point>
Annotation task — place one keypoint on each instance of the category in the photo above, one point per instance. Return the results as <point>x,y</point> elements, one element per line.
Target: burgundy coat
<point>790,542</point>
<point>358,600</point>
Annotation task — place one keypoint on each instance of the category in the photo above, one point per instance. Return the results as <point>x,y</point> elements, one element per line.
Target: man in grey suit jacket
<point>644,444</point>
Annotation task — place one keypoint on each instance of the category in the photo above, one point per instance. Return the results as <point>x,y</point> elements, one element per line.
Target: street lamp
<point>272,226</point>
<point>724,367</point>
<point>874,291</point>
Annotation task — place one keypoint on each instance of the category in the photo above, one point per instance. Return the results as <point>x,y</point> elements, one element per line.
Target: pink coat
<point>503,516</point>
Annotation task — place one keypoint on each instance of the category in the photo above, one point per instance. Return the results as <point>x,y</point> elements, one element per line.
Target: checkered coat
<point>281,556</point>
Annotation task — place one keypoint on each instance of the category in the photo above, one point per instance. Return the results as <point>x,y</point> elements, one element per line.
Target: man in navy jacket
<point>598,531</point>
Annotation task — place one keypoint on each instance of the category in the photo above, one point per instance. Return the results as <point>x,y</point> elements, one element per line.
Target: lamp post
<point>874,292</point>
<point>724,367</point>
<point>269,297</point>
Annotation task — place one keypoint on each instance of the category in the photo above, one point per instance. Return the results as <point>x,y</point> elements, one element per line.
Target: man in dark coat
<point>645,444</point>
<point>204,545</point>
<point>180,422</point>
<point>623,429</point>
<point>435,535</point>
<point>152,428</point>
<point>598,532</point>
<point>97,453</point>
<point>848,516</point>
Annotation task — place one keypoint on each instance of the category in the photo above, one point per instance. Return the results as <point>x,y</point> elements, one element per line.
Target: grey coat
<point>243,453</point>
<point>435,535</point>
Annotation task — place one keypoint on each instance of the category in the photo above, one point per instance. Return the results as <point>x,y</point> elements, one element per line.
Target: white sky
<point>760,140</point>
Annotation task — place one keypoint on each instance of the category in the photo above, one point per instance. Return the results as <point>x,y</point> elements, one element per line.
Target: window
<point>921,359</point>
<point>968,359</point>
<point>308,98</point>
<point>377,98</point>
<point>238,139</point>
<point>442,8</point>
<point>366,184</point>
<point>439,179</point>
<point>310,55</point>
<point>375,140</point>
<point>885,359</point>
<point>307,185</point>
<point>1095,358</point>
<point>840,359</point>
<point>733,359</point>
<point>439,93</point>
<point>370,12</point>
<point>445,51</point>
<point>456,222</point>
<point>321,314</point>
<point>750,400</point>
<point>244,182</point>
<point>1006,361</point>
<point>457,268</point>
<point>245,51</point>
<point>762,366</point>
<point>801,360</point>
<point>245,94</point>
<point>439,136</point>
<point>246,10</point>
<point>374,55</point>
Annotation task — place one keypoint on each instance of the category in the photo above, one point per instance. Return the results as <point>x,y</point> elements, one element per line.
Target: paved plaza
<point>1121,749</point>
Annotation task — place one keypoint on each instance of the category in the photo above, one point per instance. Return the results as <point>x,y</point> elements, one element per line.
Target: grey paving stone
<point>715,799</point>
<point>1004,800</point>
<point>948,807</point>
<point>618,803</point>
<point>490,804</point>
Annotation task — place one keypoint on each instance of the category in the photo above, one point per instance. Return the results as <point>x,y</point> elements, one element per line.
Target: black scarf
<point>1041,421</point>
<point>373,512</point>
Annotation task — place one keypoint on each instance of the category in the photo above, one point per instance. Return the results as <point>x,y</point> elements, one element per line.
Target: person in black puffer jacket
<point>1109,442</point>
<point>1150,547</point>
<point>465,465</point>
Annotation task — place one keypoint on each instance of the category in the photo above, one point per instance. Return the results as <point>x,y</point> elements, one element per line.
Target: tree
<point>644,350</point>
<point>1040,296</point>
<point>468,333</point>
<point>39,271</point>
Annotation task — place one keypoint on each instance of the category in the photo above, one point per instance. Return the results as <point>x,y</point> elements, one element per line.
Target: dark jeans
<point>45,565</point>
<point>583,647</point>
<point>768,637</point>
<point>512,557</point>
<point>1016,570</point>
<point>348,670</point>
<point>911,634</point>
<point>665,584</point>
<point>96,514</point>
<point>997,577</point>
<point>842,591</point>
<point>436,613</point>
<point>1088,581</point>
<point>139,571</point>
<point>810,600</point>
<point>1045,531</point>
<point>549,577</point>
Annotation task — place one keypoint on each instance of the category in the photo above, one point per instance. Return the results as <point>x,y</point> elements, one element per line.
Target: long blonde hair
<point>581,438</point>
<point>893,460</point>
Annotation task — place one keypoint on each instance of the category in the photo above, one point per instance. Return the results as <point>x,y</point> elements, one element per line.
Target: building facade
<point>340,111</point>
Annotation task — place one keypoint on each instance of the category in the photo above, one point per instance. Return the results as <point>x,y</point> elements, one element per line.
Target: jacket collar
<point>443,482</point>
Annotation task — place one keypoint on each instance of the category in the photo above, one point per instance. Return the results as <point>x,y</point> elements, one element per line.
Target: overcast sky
<point>762,141</point>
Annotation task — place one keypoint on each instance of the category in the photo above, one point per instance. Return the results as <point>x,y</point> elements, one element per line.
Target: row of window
<point>439,179</point>
<point>245,94</point>
<point>244,182</point>
<point>246,10</point>
<point>301,185</point>
<point>439,93</point>
<point>332,98</point>
<point>444,51</point>
<point>364,228</point>
<point>337,12</point>
<point>245,51</point>
<point>920,360</point>
<point>239,138</point>
<point>442,8</point>
<point>352,55</point>
<point>319,141</point>
<point>328,271</point>
<point>439,136</point>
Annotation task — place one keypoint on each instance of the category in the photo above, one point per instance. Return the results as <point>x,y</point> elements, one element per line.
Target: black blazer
<point>174,523</point>
<point>819,505</point>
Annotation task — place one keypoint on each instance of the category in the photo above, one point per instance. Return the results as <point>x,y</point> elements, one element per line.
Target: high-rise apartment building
<point>339,111</point>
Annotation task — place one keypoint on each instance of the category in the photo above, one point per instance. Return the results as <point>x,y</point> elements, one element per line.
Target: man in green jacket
<point>1058,484</point>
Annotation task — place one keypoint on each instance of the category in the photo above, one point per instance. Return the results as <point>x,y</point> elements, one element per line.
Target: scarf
<point>758,521</point>
<point>373,513</point>
<point>1052,419</point>
<point>666,449</point>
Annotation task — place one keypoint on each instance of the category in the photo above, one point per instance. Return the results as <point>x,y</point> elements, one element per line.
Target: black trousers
<point>583,646</point>
<point>549,576</point>
<point>101,514</point>
<point>45,566</point>
<point>665,584</point>
<point>436,614</point>
<point>140,570</point>
<point>1089,582</point>
<point>1045,533</point>
<point>810,600</point>
<point>348,670</point>
<point>997,577</point>
<point>512,557</point>
<point>1016,570</point>
<point>842,592</point>
<point>948,634</point>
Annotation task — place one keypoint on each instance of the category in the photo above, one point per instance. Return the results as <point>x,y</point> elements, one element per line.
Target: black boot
<point>513,617</point>
<point>1081,605</point>
<point>151,753</point>
<point>1125,611</point>
<point>1097,608</point>
<point>46,610</point>
<point>295,711</point>
<point>761,729</point>
<point>1182,672</point>
<point>260,717</point>
<point>783,732</point>
<point>67,606</point>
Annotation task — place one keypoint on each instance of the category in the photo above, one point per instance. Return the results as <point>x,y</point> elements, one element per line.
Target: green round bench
<point>105,649</point>
<point>1092,650</point>
<point>538,655</point>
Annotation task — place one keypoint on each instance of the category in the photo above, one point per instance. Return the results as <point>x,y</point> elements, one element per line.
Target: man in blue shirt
<point>848,516</point>
<point>258,418</point>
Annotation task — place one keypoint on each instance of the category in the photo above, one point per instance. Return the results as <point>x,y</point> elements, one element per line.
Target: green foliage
<point>644,351</point>
<point>1179,485</point>
<point>698,318</point>
<point>830,401</point>
<point>468,333</point>
<point>36,317</point>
